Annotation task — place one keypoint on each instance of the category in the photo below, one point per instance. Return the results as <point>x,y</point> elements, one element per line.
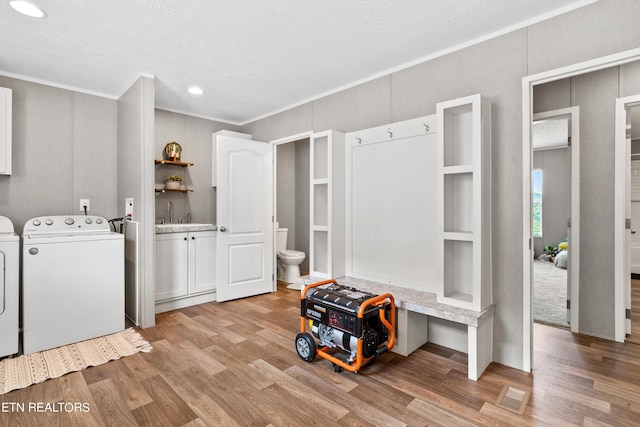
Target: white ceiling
<point>252,57</point>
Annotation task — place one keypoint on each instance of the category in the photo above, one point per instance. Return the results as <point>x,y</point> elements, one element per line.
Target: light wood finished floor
<point>634,337</point>
<point>234,364</point>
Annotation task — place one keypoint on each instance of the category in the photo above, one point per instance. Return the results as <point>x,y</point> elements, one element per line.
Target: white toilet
<point>288,260</point>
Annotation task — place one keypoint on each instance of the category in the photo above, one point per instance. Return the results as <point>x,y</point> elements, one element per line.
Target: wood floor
<point>234,364</point>
<point>634,337</point>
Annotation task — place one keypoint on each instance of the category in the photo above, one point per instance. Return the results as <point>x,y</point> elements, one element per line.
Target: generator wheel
<point>305,346</point>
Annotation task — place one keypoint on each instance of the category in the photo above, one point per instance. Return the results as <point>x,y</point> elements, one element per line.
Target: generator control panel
<point>337,306</point>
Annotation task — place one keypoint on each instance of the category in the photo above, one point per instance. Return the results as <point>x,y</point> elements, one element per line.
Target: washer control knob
<point>98,220</point>
<point>49,221</point>
<point>36,222</point>
<point>33,251</point>
<point>88,221</point>
<point>69,221</point>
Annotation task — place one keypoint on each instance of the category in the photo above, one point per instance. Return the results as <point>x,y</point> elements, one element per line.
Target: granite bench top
<point>416,301</point>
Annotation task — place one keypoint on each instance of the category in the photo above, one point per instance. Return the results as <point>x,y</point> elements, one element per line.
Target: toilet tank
<point>281,239</point>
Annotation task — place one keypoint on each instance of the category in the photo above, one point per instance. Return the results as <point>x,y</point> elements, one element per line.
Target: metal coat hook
<point>426,127</point>
<point>359,140</point>
<point>390,133</point>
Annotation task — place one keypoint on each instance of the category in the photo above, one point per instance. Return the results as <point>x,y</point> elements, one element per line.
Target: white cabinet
<point>327,205</point>
<point>5,131</point>
<point>464,202</point>
<point>185,267</point>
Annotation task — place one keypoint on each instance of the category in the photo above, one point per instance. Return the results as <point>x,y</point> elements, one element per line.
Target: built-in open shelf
<point>464,161</point>
<point>327,216</point>
<point>166,190</point>
<point>173,162</point>
<point>168,162</point>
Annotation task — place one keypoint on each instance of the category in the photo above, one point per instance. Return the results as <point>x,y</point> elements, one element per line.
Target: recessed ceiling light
<point>195,90</point>
<point>27,8</point>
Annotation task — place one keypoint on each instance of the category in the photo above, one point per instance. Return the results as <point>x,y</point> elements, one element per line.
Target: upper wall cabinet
<point>214,156</point>
<point>464,202</point>
<point>5,131</point>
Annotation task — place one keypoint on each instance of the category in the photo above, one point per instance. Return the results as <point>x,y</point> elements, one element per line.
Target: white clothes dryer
<point>72,281</point>
<point>9,288</point>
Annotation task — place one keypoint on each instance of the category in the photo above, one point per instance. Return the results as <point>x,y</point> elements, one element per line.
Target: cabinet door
<point>171,265</point>
<point>5,131</point>
<point>202,261</point>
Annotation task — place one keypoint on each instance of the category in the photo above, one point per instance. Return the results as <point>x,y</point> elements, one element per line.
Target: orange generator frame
<point>361,324</point>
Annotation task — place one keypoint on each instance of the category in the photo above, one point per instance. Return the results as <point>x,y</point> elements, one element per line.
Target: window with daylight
<point>537,202</point>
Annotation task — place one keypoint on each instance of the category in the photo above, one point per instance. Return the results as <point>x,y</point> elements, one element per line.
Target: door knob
<point>223,229</point>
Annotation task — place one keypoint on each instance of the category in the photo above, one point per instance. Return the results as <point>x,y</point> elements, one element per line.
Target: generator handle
<point>391,327</point>
<point>303,294</point>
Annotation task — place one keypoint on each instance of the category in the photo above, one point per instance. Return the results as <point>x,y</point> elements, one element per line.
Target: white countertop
<point>183,228</point>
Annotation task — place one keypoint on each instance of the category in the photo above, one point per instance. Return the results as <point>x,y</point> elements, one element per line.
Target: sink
<point>181,228</point>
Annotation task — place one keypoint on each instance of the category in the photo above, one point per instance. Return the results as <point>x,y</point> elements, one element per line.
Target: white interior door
<point>563,129</point>
<point>634,180</point>
<point>244,217</point>
<point>624,225</point>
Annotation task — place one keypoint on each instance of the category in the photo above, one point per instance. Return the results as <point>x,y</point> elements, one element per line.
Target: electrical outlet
<point>85,203</point>
<point>128,207</point>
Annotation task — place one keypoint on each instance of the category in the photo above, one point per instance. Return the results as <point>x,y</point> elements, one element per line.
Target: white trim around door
<point>528,83</point>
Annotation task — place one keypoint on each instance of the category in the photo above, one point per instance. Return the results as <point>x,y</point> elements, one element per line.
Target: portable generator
<point>353,327</point>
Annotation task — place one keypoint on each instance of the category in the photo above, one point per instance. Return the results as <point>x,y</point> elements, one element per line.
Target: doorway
<point>553,148</point>
<point>627,243</point>
<point>528,83</point>
<point>634,196</point>
<point>292,191</point>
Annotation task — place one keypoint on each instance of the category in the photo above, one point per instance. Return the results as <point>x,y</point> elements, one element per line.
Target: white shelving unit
<point>5,130</point>
<point>327,200</point>
<point>464,192</point>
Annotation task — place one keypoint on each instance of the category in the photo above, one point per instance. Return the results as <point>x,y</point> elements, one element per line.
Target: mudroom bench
<point>419,315</point>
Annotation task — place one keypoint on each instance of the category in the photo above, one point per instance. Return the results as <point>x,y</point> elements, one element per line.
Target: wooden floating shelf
<point>173,162</point>
<point>166,190</point>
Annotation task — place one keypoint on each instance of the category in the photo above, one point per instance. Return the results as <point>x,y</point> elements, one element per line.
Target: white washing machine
<point>9,288</point>
<point>72,281</point>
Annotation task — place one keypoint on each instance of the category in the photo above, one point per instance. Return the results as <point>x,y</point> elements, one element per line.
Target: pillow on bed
<point>561,259</point>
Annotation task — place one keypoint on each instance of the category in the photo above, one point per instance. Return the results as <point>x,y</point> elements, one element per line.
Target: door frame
<point>528,83</point>
<point>275,143</point>
<point>622,271</point>
<point>573,113</point>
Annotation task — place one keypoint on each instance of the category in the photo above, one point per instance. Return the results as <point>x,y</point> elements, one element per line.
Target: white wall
<point>64,149</point>
<point>135,180</point>
<point>194,136</point>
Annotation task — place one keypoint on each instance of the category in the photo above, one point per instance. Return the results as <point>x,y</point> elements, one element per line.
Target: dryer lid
<point>6,226</point>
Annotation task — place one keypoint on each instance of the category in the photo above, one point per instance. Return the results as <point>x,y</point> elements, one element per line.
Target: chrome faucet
<point>170,210</point>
